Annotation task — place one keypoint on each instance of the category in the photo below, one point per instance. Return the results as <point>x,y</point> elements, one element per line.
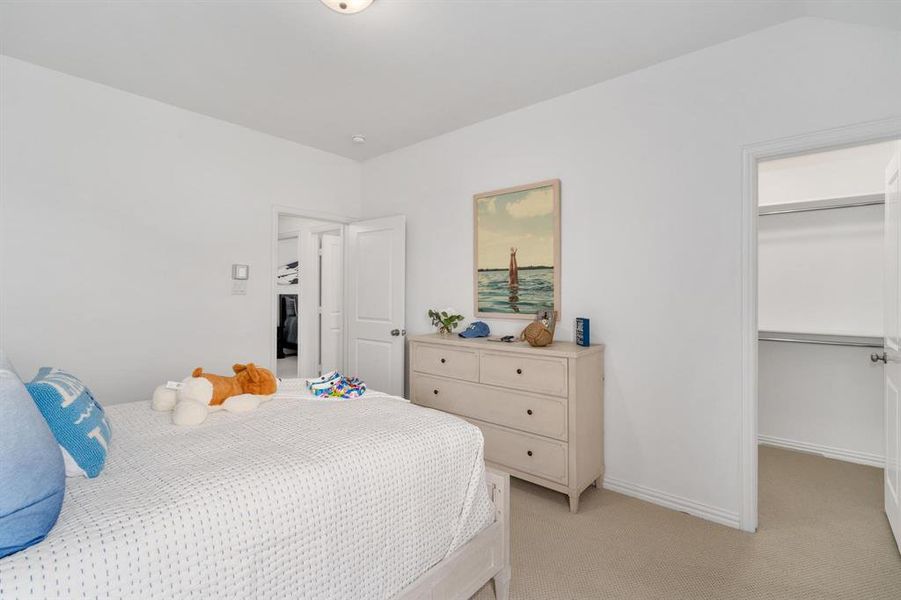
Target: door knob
<point>395,332</point>
<point>876,357</point>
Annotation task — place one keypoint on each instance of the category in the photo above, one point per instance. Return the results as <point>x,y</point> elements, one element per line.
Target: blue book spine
<point>583,331</point>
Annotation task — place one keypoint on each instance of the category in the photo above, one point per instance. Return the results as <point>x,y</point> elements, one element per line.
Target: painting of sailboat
<point>517,250</point>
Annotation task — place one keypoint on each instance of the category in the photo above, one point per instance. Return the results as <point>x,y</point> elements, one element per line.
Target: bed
<point>302,498</point>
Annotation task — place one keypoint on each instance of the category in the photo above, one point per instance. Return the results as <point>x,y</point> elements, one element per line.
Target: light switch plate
<point>241,272</point>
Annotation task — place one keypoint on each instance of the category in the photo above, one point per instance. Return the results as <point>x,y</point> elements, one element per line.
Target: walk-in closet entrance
<point>828,318</point>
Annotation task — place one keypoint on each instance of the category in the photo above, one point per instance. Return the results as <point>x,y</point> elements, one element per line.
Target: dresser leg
<point>599,482</point>
<point>574,502</point>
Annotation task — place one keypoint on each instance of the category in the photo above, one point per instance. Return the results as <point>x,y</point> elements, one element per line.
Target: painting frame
<point>528,315</point>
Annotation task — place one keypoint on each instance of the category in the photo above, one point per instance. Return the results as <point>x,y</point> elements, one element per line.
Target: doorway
<point>822,299</point>
<point>308,296</point>
<point>820,308</point>
<point>821,319</point>
<point>338,297</point>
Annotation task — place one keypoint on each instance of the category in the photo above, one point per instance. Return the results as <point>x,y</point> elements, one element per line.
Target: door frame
<point>276,211</point>
<point>820,141</point>
<point>316,232</point>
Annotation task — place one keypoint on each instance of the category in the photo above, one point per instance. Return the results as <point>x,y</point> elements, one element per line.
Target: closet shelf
<point>860,341</point>
<point>827,204</point>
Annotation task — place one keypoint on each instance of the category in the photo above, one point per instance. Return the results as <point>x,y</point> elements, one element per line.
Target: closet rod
<point>823,340</point>
<point>830,204</point>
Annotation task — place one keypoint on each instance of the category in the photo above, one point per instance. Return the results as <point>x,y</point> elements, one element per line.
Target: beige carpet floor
<point>822,536</point>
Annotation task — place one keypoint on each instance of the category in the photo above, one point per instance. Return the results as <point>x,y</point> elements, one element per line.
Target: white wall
<point>825,399</point>
<point>290,224</point>
<point>288,249</point>
<point>821,272</point>
<point>856,171</point>
<point>121,217</point>
<point>650,165</point>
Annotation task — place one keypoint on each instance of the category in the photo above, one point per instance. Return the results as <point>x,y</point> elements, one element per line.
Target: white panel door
<point>331,299</point>
<point>375,302</point>
<point>892,356</point>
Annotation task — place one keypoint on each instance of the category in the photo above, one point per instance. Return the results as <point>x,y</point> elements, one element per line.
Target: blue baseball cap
<point>476,329</point>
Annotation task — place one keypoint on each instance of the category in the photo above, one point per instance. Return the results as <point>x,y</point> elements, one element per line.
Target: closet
<point>820,305</point>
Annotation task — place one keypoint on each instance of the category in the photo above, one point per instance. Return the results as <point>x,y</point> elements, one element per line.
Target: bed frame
<point>484,557</point>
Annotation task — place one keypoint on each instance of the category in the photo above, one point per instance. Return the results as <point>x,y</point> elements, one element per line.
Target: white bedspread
<point>298,499</point>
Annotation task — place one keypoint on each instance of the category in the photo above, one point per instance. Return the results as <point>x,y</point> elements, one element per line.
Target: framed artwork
<point>516,252</point>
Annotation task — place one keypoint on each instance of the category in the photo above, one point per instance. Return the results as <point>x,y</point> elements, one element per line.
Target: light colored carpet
<point>286,367</point>
<point>822,536</point>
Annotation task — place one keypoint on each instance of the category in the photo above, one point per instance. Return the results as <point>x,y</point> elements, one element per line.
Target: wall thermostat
<point>240,271</point>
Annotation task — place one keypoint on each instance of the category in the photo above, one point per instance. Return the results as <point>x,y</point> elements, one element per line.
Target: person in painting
<point>514,269</point>
<point>513,277</point>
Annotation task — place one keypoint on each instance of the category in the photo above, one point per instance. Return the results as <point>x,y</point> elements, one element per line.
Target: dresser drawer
<point>449,362</point>
<point>536,456</point>
<point>533,374</point>
<point>536,414</point>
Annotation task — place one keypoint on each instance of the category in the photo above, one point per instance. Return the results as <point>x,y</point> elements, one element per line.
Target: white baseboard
<point>667,500</point>
<point>853,456</point>
<point>726,517</point>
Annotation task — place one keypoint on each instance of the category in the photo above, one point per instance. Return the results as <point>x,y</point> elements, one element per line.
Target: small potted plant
<point>445,320</point>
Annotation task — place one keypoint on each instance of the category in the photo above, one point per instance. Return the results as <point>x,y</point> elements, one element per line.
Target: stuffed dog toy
<point>202,393</point>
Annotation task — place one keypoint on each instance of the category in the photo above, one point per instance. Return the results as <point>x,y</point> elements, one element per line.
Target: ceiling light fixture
<point>347,7</point>
<point>358,139</point>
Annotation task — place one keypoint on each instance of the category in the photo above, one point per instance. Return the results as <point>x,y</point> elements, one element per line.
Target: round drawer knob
<point>443,361</point>
<point>435,392</point>
<point>529,412</point>
<point>519,371</point>
<point>529,453</point>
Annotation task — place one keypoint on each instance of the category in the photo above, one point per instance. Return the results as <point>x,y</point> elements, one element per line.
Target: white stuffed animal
<point>203,393</point>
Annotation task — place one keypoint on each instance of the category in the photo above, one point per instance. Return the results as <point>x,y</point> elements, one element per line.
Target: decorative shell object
<point>537,335</point>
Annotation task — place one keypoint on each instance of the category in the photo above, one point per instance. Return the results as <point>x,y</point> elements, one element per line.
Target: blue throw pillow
<point>75,418</point>
<point>32,476</point>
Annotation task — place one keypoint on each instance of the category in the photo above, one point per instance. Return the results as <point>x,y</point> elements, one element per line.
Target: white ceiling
<point>400,72</point>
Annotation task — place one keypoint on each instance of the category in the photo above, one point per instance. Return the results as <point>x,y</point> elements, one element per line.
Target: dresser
<point>541,410</point>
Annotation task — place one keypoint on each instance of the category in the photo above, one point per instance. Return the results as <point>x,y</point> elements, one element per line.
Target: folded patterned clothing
<point>335,385</point>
